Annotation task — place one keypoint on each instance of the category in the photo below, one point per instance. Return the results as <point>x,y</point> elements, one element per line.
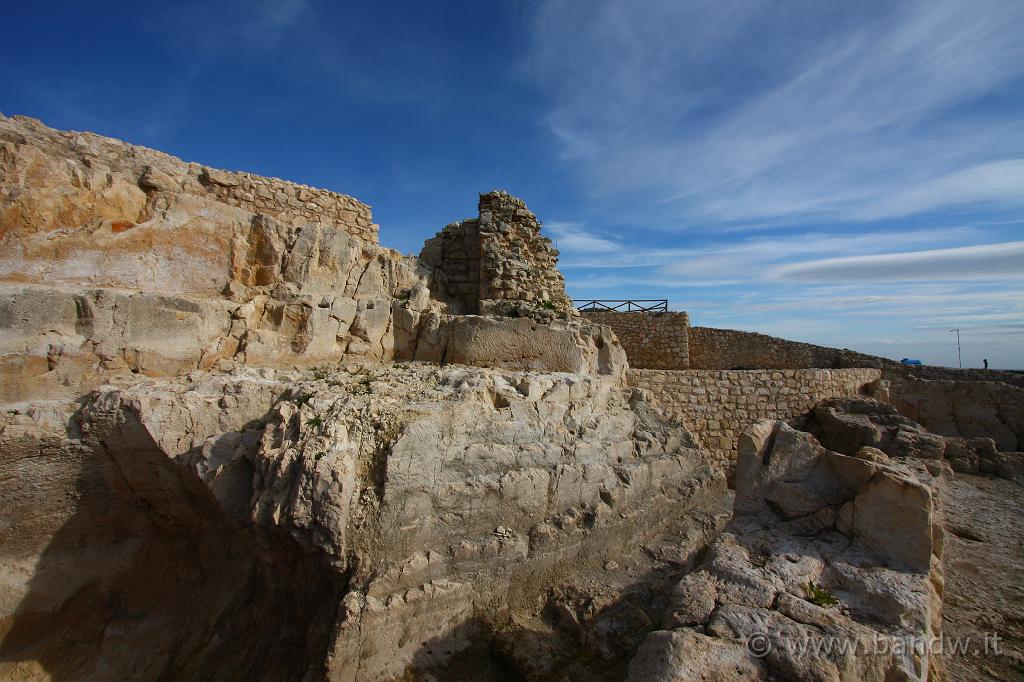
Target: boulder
<point>830,566</point>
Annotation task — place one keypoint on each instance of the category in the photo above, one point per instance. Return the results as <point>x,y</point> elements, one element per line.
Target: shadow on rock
<point>131,571</point>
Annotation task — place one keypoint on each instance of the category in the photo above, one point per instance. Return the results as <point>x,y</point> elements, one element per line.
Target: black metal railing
<point>634,305</point>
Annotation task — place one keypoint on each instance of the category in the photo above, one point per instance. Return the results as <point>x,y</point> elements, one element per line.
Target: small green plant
<point>315,422</point>
<point>400,365</point>
<point>548,305</point>
<point>819,596</point>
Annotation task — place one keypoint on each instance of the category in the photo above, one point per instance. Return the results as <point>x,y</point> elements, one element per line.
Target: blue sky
<point>844,173</point>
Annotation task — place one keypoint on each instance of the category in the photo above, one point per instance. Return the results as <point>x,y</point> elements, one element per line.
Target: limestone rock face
<point>830,569</point>
<point>429,498</point>
<point>117,564</point>
<point>686,654</point>
<point>81,182</point>
<point>119,260</point>
<point>239,439</point>
<point>524,344</point>
<point>990,407</point>
<point>850,424</point>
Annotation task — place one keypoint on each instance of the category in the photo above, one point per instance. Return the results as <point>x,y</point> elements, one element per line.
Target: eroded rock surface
<point>847,425</point>
<point>434,504</point>
<point>239,439</point>
<point>116,564</point>
<point>829,570</point>
<point>984,595</point>
<point>116,259</point>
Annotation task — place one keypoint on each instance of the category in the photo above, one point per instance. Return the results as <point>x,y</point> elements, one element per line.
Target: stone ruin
<point>239,439</point>
<point>498,264</point>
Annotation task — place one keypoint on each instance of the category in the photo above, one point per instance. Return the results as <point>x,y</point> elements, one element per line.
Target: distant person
<point>986,363</point>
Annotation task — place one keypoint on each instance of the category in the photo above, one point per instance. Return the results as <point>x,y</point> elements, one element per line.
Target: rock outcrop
<point>121,260</point>
<point>848,425</point>
<point>829,570</point>
<point>240,439</point>
<point>243,440</point>
<point>425,501</point>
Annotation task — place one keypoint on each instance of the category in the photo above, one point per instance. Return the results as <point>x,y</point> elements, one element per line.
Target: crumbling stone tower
<point>498,264</point>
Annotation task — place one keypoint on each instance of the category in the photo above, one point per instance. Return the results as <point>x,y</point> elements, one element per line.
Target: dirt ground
<point>984,574</point>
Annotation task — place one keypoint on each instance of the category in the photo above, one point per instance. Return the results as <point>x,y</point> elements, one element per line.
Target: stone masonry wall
<point>291,203</point>
<point>712,348</point>
<point>498,263</point>
<point>454,258</point>
<point>717,405</point>
<point>517,262</point>
<point>651,340</point>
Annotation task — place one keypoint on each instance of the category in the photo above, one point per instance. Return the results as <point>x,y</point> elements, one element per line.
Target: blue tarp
<point>908,361</point>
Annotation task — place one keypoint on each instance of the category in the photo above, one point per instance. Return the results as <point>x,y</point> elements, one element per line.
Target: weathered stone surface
<point>434,494</point>
<point>684,655</point>
<point>853,425</point>
<point>967,409</point>
<point>63,183</point>
<point>116,566</point>
<point>120,260</point>
<point>717,405</point>
<point>521,343</point>
<point>868,533</point>
<point>498,263</point>
<point>651,340</point>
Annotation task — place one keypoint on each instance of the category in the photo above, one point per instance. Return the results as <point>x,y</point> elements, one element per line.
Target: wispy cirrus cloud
<point>967,263</point>
<point>750,258</point>
<point>575,237</point>
<point>741,111</point>
<point>811,155</point>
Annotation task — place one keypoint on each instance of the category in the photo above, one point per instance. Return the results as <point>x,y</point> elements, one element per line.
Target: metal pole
<point>958,357</point>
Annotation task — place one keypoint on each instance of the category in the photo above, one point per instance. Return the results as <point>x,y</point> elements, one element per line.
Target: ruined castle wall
<point>712,348</point>
<point>498,264</point>
<point>289,202</point>
<point>717,405</point>
<point>894,369</point>
<point>517,262</point>
<point>651,340</point>
<point>454,258</point>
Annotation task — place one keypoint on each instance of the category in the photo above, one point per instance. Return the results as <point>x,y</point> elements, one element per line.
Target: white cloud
<point>749,259</point>
<point>733,110</point>
<point>996,181</point>
<point>574,237</point>
<point>968,263</point>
